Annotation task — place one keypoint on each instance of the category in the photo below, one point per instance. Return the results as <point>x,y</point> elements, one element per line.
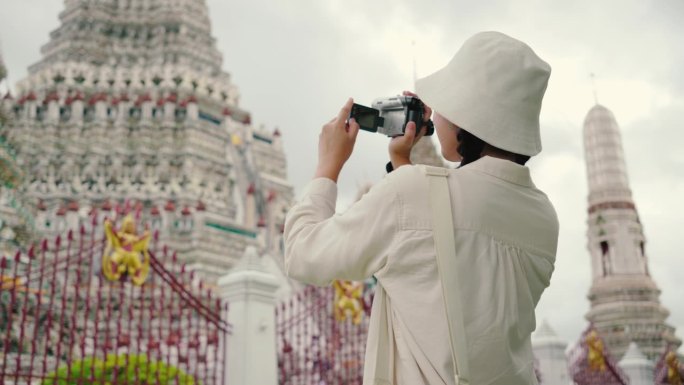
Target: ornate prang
<point>127,103</point>
<point>625,305</point>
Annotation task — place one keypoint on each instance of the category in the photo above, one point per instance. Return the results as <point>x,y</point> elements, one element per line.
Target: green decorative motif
<point>600,220</point>
<point>233,230</point>
<point>119,369</point>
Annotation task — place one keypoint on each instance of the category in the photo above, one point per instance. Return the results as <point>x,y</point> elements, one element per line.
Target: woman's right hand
<point>336,143</point>
<point>427,111</point>
<point>400,146</point>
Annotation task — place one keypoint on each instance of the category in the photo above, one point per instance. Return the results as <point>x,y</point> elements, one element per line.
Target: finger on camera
<point>346,109</point>
<point>353,128</point>
<point>420,135</point>
<point>410,131</point>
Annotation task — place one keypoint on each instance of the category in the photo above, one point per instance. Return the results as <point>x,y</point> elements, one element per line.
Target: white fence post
<point>251,352</point>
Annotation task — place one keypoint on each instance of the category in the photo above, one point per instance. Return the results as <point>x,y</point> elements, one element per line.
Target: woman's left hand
<point>336,143</point>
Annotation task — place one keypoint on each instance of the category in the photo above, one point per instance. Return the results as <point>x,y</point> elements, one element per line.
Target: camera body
<point>390,115</point>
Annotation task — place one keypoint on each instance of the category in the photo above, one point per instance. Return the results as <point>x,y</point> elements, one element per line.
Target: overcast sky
<point>297,62</point>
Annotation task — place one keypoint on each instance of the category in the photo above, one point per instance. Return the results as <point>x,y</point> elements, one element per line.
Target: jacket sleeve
<point>321,246</point>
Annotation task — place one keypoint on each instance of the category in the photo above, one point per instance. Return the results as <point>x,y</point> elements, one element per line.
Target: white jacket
<point>506,234</point>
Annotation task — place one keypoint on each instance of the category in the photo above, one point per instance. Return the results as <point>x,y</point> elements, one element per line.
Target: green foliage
<point>119,369</point>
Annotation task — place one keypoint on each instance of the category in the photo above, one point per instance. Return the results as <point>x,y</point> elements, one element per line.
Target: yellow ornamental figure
<point>673,369</point>
<point>236,140</point>
<point>595,357</point>
<point>348,299</point>
<point>126,252</point>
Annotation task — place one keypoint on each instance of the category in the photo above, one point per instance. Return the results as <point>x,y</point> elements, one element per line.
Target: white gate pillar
<point>251,352</point>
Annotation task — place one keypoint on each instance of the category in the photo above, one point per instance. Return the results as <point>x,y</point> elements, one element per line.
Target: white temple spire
<point>624,298</point>
<point>609,192</point>
<point>549,351</point>
<point>637,367</point>
<point>413,54</point>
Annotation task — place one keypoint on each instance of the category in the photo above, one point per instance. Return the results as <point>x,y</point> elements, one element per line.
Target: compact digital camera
<point>390,115</point>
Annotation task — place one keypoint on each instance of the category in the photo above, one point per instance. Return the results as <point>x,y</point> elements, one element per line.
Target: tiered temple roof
<point>129,105</point>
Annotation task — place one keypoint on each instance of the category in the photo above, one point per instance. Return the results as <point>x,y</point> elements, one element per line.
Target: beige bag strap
<point>382,373</point>
<point>443,231</point>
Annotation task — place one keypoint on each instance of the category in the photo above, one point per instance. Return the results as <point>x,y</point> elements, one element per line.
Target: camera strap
<point>443,232</point>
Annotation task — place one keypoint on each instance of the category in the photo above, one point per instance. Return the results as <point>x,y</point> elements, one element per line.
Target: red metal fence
<point>316,348</point>
<point>57,309</point>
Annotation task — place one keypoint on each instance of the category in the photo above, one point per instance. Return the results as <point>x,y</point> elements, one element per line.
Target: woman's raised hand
<point>336,143</point>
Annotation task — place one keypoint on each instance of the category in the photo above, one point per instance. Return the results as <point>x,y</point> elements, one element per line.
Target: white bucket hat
<point>493,88</point>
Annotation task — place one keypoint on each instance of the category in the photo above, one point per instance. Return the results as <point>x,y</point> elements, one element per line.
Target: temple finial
<point>413,53</point>
<point>593,86</point>
<point>3,68</point>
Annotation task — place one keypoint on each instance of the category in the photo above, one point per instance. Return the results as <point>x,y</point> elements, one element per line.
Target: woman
<point>486,105</point>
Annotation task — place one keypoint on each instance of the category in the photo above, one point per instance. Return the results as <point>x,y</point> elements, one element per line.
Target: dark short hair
<point>470,148</point>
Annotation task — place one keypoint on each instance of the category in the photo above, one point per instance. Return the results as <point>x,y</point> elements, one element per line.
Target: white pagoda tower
<point>549,351</point>
<point>129,110</point>
<point>637,367</point>
<point>625,304</point>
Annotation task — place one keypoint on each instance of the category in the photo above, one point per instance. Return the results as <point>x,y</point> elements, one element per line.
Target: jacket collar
<point>502,169</point>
